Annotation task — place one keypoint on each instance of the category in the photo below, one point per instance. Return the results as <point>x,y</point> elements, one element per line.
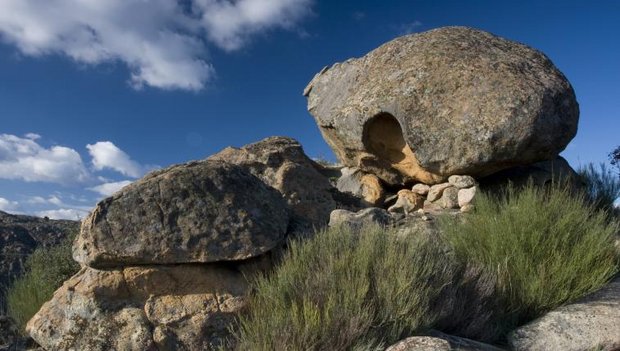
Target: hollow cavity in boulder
<point>383,137</point>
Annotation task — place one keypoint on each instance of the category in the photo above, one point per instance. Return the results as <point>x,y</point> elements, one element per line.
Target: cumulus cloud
<point>107,189</point>
<point>106,155</point>
<point>64,213</point>
<point>161,41</point>
<point>7,205</point>
<point>229,24</point>
<point>24,159</point>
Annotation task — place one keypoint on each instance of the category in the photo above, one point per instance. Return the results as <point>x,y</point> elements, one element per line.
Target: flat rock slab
<point>592,323</point>
<point>440,342</point>
<point>452,100</point>
<point>202,211</point>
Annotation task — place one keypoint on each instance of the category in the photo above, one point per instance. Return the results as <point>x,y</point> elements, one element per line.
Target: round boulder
<point>202,211</point>
<point>452,100</point>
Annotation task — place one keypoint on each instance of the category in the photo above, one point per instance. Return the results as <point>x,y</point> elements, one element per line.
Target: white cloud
<point>7,205</point>
<point>161,41</point>
<point>229,24</point>
<point>24,159</point>
<point>107,189</point>
<point>32,136</point>
<point>64,213</point>
<point>106,155</point>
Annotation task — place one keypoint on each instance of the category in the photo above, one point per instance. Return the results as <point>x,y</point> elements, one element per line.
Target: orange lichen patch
<point>383,137</point>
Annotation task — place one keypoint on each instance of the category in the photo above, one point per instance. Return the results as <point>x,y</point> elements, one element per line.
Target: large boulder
<point>181,307</point>
<point>592,323</point>
<point>202,211</point>
<point>282,164</point>
<point>452,100</point>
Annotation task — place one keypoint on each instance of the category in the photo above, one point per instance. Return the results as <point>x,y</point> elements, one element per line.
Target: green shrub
<point>347,290</point>
<point>601,185</point>
<point>545,247</point>
<point>46,270</point>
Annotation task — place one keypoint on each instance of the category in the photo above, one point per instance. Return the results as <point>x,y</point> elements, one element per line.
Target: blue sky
<point>94,94</point>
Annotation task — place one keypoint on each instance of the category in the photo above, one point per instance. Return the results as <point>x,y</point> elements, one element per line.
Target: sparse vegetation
<point>344,290</point>
<point>546,247</point>
<point>601,185</point>
<point>46,270</point>
<point>514,258</point>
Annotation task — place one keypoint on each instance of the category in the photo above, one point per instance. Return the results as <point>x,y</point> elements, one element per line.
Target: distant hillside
<point>21,235</point>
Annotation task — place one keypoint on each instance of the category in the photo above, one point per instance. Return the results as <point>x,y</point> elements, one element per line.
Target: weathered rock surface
<point>20,236</point>
<point>407,202</point>
<point>452,100</point>
<point>440,342</point>
<point>592,323</point>
<point>436,191</point>
<point>450,197</point>
<point>357,219</point>
<point>421,189</point>
<point>363,185</point>
<point>466,196</point>
<point>202,211</point>
<point>461,181</point>
<point>280,162</point>
<point>182,307</point>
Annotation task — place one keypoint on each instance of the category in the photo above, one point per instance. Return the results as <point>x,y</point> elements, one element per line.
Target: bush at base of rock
<point>546,247</point>
<point>362,288</point>
<point>373,283</point>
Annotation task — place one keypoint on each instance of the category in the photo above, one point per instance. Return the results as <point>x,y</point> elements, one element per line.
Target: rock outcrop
<point>20,236</point>
<point>592,323</point>
<point>204,211</point>
<point>281,163</point>
<point>166,262</point>
<point>452,100</point>
<point>141,308</point>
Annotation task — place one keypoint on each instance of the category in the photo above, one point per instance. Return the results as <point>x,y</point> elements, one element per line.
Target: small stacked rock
<point>364,185</point>
<point>457,193</point>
